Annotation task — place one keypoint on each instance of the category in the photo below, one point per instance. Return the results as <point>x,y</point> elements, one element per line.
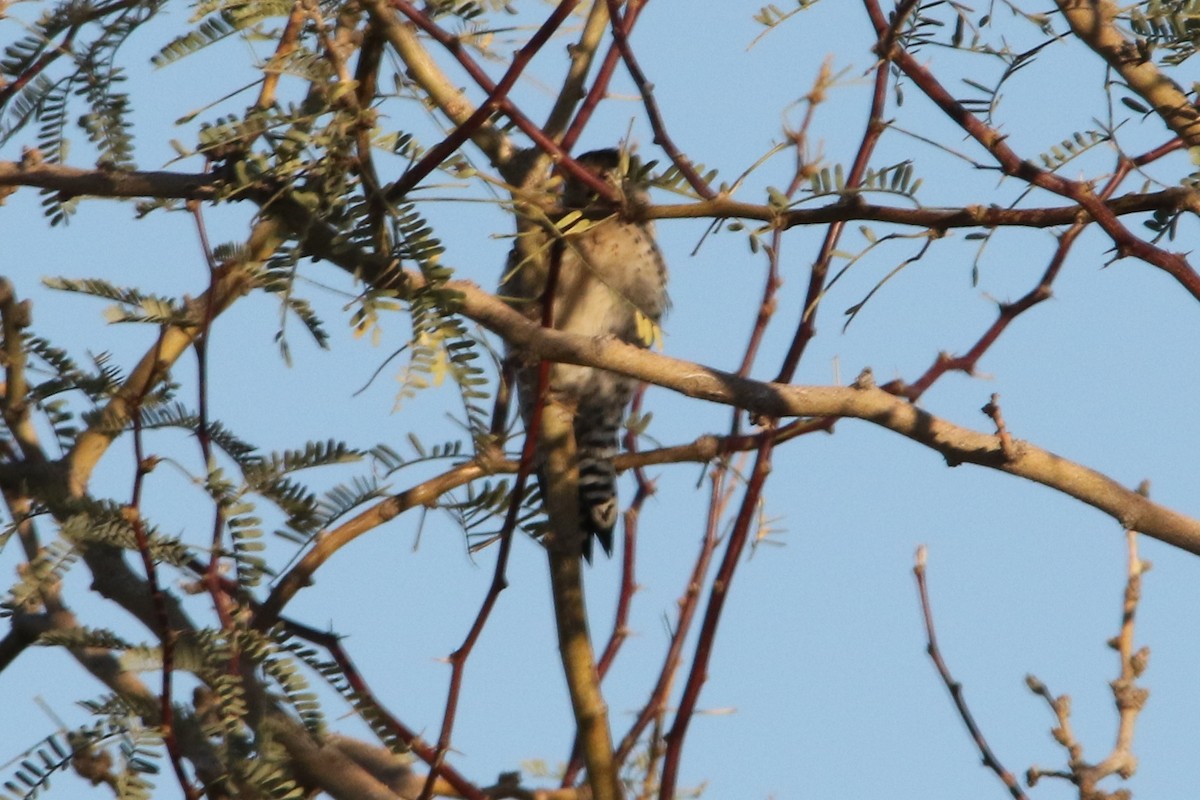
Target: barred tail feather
<point>596,440</point>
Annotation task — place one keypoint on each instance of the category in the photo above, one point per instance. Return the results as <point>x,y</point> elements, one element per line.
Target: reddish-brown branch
<point>458,659</point>
<point>204,433</point>
<point>655,707</point>
<point>333,645</point>
<point>718,593</point>
<point>645,488</point>
<point>656,704</point>
<point>620,628</point>
<point>497,96</point>
<point>603,78</point>
<point>1154,154</point>
<point>955,688</point>
<point>661,750</point>
<point>820,269</point>
<point>49,57</point>
<point>767,306</point>
<point>77,21</point>
<point>1008,311</point>
<point>661,137</point>
<point>166,634</point>
<point>1010,163</point>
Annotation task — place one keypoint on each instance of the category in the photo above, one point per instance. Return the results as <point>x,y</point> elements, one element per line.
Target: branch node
<point>992,409</point>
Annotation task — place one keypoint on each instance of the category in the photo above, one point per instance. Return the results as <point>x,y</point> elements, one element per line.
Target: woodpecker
<point>611,282</point>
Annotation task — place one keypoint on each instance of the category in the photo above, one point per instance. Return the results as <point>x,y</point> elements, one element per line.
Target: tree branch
<point>955,688</point>
<point>1093,22</point>
<point>582,53</point>
<point>233,282</point>
<point>958,445</point>
<point>1174,264</point>
<point>75,182</point>
<point>426,72</point>
<point>72,181</point>
<point>561,488</point>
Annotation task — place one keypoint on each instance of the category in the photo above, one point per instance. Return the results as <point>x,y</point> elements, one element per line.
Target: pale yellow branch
<point>582,55</point>
<point>15,317</point>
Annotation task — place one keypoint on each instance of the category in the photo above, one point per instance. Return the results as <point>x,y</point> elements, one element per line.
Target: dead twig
<point>955,688</point>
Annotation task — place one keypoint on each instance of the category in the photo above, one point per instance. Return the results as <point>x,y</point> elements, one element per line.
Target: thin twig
<point>656,704</point>
<point>497,96</point>
<point>332,643</point>
<point>661,137</point>
<point>807,328</point>
<point>1008,312</point>
<point>203,430</point>
<point>1127,244</point>
<point>1130,699</point>
<point>166,634</point>
<point>955,688</point>
<point>992,410</point>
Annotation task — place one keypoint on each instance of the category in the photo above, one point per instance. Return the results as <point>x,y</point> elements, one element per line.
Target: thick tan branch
<point>958,445</point>
<point>326,765</point>
<point>564,542</point>
<point>1093,21</point>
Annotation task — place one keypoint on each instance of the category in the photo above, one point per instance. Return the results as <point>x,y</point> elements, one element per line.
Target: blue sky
<point>820,686</point>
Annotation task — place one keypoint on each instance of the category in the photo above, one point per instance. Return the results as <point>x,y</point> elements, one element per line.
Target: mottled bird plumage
<point>611,282</point>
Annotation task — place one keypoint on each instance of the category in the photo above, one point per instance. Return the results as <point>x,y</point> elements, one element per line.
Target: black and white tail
<point>597,428</point>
